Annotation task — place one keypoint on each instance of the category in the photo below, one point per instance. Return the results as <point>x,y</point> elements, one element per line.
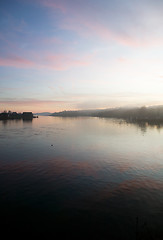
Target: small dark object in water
<point>51,145</point>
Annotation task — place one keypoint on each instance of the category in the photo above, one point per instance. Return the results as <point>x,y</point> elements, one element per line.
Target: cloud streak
<point>16,61</point>
<point>35,105</point>
<point>92,49</point>
<point>127,26</point>
<point>53,4</point>
<point>58,62</point>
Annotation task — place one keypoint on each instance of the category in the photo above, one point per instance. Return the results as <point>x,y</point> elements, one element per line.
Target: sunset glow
<point>65,55</point>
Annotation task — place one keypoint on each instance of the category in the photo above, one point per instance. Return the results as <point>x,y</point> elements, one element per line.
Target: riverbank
<point>153,115</point>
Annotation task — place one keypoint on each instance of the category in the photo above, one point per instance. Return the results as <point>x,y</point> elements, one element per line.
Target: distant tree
<point>9,112</point>
<point>142,112</point>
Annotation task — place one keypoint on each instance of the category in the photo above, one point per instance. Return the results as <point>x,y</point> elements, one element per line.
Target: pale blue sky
<point>71,54</point>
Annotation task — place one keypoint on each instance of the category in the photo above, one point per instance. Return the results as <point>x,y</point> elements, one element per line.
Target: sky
<point>80,54</point>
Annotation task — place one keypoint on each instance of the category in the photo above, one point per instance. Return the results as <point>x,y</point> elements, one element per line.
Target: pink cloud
<point>88,28</point>
<point>64,62</point>
<point>31,102</point>
<point>54,5</point>
<point>16,61</point>
<point>57,62</point>
<point>35,105</point>
<point>85,24</point>
<point>88,23</point>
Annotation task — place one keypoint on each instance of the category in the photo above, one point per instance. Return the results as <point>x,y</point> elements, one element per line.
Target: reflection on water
<point>84,177</point>
<point>27,120</point>
<point>144,126</point>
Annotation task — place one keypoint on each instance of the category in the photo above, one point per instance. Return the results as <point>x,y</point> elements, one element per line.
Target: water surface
<point>84,177</point>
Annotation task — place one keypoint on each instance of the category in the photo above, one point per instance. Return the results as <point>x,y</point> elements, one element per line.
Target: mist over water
<point>84,177</point>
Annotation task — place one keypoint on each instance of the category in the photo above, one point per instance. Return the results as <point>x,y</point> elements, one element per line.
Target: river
<point>81,178</point>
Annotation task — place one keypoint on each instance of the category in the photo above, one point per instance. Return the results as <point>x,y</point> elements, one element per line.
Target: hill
<point>43,114</point>
<point>152,113</point>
